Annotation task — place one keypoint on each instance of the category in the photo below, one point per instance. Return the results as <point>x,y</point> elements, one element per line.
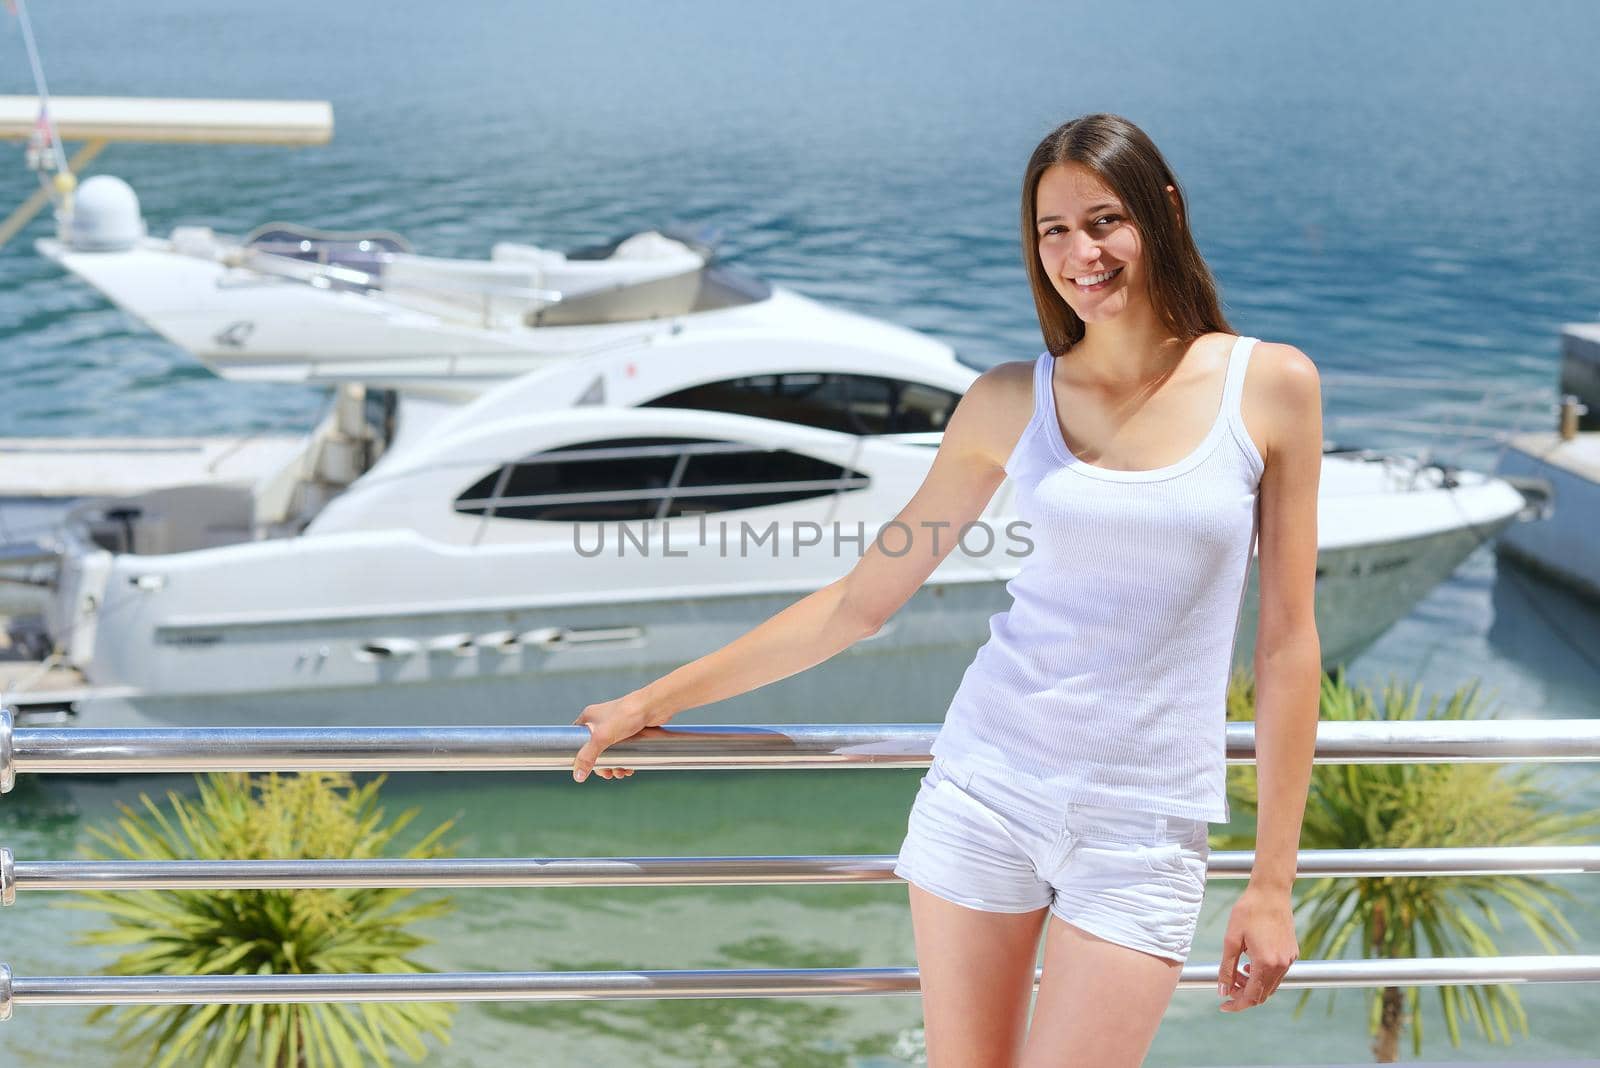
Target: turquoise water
<point>1396,188</point>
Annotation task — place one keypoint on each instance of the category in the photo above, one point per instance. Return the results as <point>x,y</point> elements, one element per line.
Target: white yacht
<point>288,303</point>
<point>459,568</point>
<point>580,529</point>
<point>291,303</point>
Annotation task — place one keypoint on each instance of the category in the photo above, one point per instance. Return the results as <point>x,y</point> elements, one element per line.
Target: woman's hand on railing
<point>609,722</point>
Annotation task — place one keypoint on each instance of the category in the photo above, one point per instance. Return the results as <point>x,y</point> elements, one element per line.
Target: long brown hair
<point>1182,289</point>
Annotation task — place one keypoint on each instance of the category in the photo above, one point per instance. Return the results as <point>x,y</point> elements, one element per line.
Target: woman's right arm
<point>966,470</point>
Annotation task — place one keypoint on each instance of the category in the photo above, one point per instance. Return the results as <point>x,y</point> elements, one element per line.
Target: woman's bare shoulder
<point>1006,385</point>
<point>1283,393</point>
<point>996,408</point>
<point>1284,375</point>
<point>1285,360</point>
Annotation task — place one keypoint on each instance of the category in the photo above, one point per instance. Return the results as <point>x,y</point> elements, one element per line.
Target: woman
<point>1082,756</point>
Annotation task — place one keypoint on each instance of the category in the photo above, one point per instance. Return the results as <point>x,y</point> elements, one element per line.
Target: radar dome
<point>105,216</point>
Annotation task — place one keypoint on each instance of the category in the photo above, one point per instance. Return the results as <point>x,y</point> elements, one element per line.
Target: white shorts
<point>989,842</point>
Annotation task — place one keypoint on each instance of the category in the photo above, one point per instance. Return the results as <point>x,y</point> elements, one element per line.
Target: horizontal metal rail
<point>44,875</point>
<point>883,745</point>
<point>708,983</point>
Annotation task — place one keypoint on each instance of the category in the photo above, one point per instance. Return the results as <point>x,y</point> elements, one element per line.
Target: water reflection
<point>1550,631</point>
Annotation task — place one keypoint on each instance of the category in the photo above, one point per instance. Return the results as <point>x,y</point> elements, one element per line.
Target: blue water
<point>1402,188</point>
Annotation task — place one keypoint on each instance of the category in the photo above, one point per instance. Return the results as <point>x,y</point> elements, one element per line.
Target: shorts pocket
<point>1178,864</point>
<point>936,774</point>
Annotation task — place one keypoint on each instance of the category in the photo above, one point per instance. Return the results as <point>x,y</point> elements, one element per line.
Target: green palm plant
<point>257,932</point>
<point>1393,806</point>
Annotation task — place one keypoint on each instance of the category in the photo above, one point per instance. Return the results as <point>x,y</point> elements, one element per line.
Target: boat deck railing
<point>1432,419</point>
<point>78,751</point>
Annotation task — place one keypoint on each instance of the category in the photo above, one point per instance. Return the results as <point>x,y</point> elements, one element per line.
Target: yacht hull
<point>318,674</point>
<point>315,672</point>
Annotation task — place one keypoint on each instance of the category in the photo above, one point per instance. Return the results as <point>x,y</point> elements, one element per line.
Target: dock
<point>1564,545</point>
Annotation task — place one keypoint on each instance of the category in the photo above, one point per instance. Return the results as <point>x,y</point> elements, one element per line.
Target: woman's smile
<point>1093,283</point>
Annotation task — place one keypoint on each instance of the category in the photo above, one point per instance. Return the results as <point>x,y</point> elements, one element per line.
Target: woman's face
<point>1088,245</point>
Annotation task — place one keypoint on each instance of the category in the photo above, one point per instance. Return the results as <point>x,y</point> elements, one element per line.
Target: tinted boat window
<point>923,408</point>
<point>630,478</point>
<point>590,471</point>
<point>756,468</point>
<point>854,404</point>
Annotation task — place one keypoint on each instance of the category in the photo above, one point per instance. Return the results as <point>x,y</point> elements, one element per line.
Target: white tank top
<point>1105,682</point>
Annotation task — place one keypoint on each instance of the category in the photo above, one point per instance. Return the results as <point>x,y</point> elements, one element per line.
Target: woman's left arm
<point>1288,669</point>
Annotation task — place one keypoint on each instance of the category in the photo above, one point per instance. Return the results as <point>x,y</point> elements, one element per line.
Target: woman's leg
<point>1099,1004</point>
<point>977,973</point>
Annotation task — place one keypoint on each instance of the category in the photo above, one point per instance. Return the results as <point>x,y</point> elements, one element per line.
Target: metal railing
<point>706,983</point>
<point>79,751</point>
<point>480,872</point>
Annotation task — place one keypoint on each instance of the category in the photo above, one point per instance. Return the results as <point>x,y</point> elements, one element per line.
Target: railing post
<point>8,770</point>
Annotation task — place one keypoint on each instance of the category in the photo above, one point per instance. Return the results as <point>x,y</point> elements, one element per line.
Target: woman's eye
<point>1101,221</point>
